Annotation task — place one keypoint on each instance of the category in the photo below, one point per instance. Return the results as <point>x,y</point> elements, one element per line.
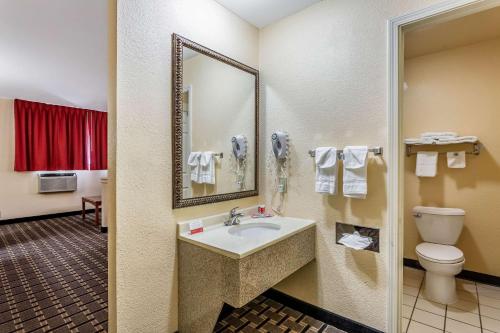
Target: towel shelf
<point>476,147</point>
<point>340,155</point>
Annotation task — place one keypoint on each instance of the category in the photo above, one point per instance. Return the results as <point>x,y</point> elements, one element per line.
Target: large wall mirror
<point>215,126</point>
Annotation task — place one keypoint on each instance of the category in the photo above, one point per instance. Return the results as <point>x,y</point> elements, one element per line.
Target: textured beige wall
<point>146,273</point>
<point>324,80</point>
<point>223,99</point>
<point>19,195</point>
<point>111,189</point>
<point>458,90</point>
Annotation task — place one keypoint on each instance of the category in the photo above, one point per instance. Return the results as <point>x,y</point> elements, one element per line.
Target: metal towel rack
<point>221,155</point>
<point>378,151</point>
<point>476,147</point>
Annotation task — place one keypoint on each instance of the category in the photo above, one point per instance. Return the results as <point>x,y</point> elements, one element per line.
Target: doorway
<point>398,175</point>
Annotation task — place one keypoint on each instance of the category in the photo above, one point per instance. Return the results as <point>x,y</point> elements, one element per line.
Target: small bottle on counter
<point>261,212</point>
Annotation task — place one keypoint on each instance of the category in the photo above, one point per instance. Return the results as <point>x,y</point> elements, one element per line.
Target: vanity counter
<point>228,241</point>
<point>234,264</point>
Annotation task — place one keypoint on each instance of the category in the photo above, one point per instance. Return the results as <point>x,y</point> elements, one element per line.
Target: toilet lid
<point>440,253</point>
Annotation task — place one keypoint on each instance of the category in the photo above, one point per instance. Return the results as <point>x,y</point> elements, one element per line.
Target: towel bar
<point>379,151</point>
<point>476,148</point>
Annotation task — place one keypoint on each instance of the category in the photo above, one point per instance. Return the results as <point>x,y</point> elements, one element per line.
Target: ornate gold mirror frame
<point>178,43</point>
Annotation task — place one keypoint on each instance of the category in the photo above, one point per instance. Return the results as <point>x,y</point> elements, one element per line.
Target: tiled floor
<point>477,311</point>
<point>264,315</point>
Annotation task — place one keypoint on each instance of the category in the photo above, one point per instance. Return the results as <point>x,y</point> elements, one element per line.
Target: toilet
<point>440,229</point>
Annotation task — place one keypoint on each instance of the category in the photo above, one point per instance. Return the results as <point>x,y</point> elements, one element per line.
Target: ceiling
<point>54,51</point>
<point>471,29</point>
<point>264,12</point>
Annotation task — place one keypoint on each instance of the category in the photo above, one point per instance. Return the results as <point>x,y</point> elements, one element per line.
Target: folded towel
<point>207,168</point>
<point>326,170</point>
<point>456,160</point>
<point>194,162</point>
<point>428,140</point>
<point>439,134</point>
<point>421,141</point>
<point>460,139</point>
<point>355,172</point>
<point>426,163</point>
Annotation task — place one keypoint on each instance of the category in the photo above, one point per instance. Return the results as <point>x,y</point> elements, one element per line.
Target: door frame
<point>395,27</point>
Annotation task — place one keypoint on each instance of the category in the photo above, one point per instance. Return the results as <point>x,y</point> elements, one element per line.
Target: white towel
<point>425,140</point>
<point>456,160</point>
<point>426,163</point>
<point>439,135</point>
<point>326,170</point>
<point>443,140</point>
<point>207,168</point>
<point>355,172</point>
<point>459,139</point>
<point>194,162</point>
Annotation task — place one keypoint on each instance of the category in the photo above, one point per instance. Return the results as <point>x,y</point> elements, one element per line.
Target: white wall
<point>146,272</point>
<point>324,80</point>
<point>19,195</point>
<point>55,52</point>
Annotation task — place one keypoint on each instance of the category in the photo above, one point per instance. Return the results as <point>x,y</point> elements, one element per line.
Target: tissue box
<point>342,228</point>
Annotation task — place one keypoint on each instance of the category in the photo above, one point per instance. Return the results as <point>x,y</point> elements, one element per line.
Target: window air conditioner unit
<point>57,182</point>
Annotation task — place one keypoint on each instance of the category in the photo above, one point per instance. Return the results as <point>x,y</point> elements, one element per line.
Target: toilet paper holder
<point>373,233</point>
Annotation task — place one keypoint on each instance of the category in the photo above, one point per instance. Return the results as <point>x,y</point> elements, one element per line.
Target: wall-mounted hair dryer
<point>279,140</point>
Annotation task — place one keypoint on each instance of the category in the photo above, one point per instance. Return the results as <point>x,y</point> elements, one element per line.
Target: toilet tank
<point>439,225</point>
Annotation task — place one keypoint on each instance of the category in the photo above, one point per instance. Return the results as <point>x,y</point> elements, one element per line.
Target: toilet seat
<point>439,253</point>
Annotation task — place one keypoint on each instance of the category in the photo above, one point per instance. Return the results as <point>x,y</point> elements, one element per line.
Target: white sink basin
<point>241,240</point>
<point>254,230</point>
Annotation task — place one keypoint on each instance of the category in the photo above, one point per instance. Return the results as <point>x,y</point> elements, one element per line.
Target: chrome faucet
<point>233,218</point>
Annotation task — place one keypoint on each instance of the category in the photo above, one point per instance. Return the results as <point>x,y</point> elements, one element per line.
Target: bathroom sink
<point>234,264</point>
<point>250,236</point>
<point>255,229</point>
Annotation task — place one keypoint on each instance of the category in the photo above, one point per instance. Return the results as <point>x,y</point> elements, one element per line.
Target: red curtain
<point>98,137</point>
<point>52,137</point>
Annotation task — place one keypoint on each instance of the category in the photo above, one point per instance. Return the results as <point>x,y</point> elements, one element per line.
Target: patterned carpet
<point>53,276</point>
<point>264,315</point>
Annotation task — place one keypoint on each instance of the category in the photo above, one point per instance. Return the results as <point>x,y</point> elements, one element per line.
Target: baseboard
<point>465,274</point>
<point>225,311</point>
<point>316,312</point>
<point>44,217</point>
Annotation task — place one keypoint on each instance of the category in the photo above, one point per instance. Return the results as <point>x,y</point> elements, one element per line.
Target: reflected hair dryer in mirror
<point>240,146</point>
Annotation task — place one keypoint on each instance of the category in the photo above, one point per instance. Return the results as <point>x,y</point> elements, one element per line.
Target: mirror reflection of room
<point>218,126</point>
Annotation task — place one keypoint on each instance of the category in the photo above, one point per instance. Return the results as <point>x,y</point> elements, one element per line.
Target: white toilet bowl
<point>441,263</point>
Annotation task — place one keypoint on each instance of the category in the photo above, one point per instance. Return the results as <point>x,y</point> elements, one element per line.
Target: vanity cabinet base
<point>208,279</point>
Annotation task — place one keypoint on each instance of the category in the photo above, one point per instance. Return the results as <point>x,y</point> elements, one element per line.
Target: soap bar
<point>195,227</point>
